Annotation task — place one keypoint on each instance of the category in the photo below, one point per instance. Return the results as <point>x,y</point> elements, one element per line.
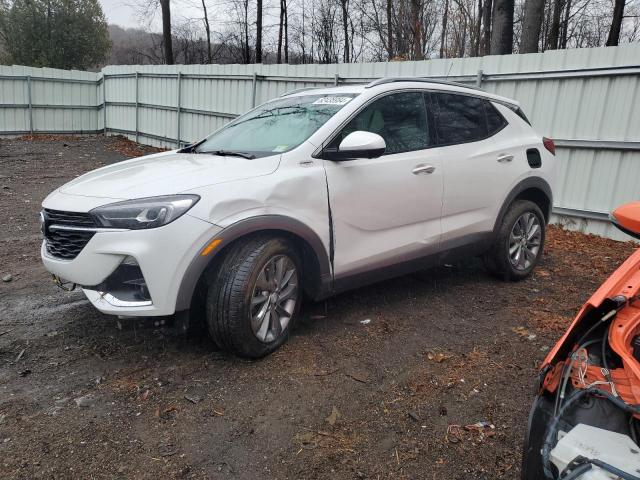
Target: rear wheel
<point>253,303</point>
<point>519,242</point>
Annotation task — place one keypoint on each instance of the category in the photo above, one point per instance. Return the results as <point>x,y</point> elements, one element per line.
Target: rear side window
<point>495,121</point>
<point>399,118</point>
<point>462,118</point>
<point>459,118</point>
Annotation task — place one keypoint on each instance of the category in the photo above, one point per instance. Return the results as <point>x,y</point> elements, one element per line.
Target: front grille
<point>69,219</point>
<point>66,244</point>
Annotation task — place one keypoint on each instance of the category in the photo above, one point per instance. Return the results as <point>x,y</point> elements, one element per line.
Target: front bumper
<point>163,255</point>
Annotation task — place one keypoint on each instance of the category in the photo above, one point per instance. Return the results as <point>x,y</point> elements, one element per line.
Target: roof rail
<point>298,90</point>
<point>382,81</point>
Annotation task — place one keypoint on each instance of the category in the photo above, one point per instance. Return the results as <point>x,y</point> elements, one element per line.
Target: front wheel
<point>253,303</point>
<point>519,243</point>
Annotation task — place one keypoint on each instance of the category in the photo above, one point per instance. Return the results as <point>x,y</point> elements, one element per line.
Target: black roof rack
<point>385,80</point>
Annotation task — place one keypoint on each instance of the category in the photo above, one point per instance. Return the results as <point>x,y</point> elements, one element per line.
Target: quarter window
<point>459,118</point>
<point>399,118</point>
<point>495,121</point>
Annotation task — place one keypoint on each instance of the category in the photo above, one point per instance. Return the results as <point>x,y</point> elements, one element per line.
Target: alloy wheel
<point>524,241</point>
<point>274,298</point>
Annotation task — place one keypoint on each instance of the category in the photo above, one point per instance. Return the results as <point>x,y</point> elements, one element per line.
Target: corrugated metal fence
<point>588,100</point>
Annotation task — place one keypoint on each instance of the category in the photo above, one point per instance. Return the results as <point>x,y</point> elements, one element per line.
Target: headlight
<point>144,213</point>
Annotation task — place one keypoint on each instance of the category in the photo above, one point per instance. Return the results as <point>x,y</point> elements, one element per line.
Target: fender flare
<point>537,183</point>
<point>245,227</point>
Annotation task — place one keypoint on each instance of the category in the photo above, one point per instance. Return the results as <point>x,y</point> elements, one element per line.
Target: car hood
<point>166,173</point>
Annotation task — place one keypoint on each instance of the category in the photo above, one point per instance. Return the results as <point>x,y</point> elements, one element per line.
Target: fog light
<point>126,283</point>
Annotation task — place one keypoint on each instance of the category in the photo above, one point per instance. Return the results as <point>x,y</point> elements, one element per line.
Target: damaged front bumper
<point>135,272</point>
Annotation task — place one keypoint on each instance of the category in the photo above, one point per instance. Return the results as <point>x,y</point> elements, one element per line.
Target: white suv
<point>316,192</point>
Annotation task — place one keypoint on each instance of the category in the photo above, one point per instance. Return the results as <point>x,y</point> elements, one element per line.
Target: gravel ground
<point>400,395</point>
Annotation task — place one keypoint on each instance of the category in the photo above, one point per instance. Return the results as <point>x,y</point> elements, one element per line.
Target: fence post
<point>479,79</point>
<point>336,80</point>
<point>104,104</point>
<point>254,87</point>
<point>30,104</point>
<point>179,95</point>
<point>137,107</point>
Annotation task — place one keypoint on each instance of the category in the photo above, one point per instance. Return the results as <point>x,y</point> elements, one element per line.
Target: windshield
<point>277,126</point>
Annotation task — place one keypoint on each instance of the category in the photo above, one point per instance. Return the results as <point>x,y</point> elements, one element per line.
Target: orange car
<point>585,420</point>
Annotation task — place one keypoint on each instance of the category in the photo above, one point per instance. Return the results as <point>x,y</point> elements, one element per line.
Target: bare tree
<point>259,31</point>
<point>344,6</point>
<point>389,31</point>
<point>207,29</point>
<point>532,25</point>
<point>502,29</point>
<point>486,29</point>
<point>166,32</point>
<point>416,28</point>
<point>323,31</point>
<point>616,23</point>
<point>283,30</point>
<point>443,36</point>
<point>554,27</point>
<point>478,29</point>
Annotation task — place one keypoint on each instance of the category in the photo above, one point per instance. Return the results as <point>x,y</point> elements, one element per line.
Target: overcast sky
<point>118,12</point>
<point>123,12</point>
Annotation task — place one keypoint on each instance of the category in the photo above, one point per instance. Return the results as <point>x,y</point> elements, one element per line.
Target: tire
<point>502,260</point>
<point>252,280</point>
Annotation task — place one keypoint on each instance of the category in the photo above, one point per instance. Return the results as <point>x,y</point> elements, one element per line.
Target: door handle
<point>423,169</point>
<point>504,158</point>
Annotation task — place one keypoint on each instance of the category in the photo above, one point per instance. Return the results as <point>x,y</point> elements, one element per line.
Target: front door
<point>386,210</point>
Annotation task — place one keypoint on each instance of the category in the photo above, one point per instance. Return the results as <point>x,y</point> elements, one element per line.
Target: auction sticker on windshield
<point>333,101</point>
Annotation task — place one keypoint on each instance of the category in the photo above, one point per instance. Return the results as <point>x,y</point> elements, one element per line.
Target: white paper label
<point>332,101</point>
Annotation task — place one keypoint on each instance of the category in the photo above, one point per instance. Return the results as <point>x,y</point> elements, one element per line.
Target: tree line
<point>330,31</point>
<point>74,33</point>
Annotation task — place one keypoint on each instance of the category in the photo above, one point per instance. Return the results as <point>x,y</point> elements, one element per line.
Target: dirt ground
<point>389,381</point>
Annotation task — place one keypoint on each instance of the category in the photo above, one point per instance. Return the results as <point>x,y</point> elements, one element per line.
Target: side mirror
<point>357,144</point>
<point>627,218</point>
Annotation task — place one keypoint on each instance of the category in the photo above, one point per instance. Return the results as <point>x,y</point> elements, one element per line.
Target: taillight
<point>549,145</point>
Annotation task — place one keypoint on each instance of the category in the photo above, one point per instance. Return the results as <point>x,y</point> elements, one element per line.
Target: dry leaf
<point>333,418</point>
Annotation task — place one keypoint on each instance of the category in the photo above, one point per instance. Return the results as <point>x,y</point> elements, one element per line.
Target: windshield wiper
<point>229,153</point>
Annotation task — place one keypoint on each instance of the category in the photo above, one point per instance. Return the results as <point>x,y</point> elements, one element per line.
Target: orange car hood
<point>624,281</point>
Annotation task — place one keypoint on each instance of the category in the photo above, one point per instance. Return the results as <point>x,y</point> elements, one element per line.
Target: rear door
<point>480,160</point>
<point>386,210</point>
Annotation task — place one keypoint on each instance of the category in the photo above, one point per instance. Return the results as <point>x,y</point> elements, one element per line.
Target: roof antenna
<point>448,71</point>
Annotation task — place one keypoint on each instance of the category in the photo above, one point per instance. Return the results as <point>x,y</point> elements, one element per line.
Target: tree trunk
<point>502,35</point>
<point>259,32</point>
<point>389,31</point>
<point>166,32</point>
<point>208,30</point>
<point>416,6</point>
<point>443,37</point>
<point>554,29</point>
<point>565,25</point>
<point>616,24</point>
<point>286,31</point>
<point>247,51</point>
<point>486,22</point>
<point>478,29</point>
<point>531,26</point>
<point>280,29</point>
<point>345,26</point>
